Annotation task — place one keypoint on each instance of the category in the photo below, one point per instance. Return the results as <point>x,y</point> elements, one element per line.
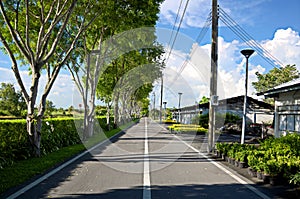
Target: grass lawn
<point>21,171</point>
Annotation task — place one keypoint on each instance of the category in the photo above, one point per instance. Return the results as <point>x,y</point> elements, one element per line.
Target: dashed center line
<point>146,179</point>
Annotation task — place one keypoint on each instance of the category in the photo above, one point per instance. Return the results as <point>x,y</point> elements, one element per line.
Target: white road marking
<point>47,175</point>
<point>146,183</point>
<point>246,184</point>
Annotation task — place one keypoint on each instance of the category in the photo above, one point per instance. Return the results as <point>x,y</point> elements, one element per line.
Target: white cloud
<point>61,93</point>
<point>231,72</point>
<point>285,46</point>
<point>197,11</point>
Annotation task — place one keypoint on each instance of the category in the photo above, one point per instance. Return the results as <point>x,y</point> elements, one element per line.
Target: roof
<point>282,88</point>
<point>252,103</point>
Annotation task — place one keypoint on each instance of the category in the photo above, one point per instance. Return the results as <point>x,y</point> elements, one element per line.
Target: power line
<point>240,32</point>
<point>198,40</point>
<point>178,28</point>
<point>175,22</point>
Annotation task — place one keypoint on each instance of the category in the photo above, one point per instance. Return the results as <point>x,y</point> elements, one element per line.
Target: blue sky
<point>274,24</point>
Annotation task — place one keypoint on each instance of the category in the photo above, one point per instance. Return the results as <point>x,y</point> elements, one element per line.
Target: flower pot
<point>223,157</point>
<point>266,178</point>
<point>236,163</point>
<point>232,161</point>
<point>274,180</point>
<point>259,175</point>
<point>242,165</point>
<point>252,172</point>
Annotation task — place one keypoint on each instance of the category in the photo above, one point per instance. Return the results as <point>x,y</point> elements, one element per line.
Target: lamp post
<point>165,104</point>
<point>154,106</point>
<point>247,53</point>
<point>179,95</point>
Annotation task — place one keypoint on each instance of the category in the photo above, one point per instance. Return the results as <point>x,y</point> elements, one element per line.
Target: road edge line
<point>234,176</point>
<point>62,166</point>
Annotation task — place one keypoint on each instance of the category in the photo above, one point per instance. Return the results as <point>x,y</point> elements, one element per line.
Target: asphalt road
<point>145,162</point>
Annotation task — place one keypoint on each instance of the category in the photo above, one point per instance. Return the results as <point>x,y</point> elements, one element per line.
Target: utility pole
<point>179,99</point>
<point>213,76</point>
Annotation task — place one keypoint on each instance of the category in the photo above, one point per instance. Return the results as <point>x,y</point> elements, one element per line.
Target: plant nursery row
<point>274,160</point>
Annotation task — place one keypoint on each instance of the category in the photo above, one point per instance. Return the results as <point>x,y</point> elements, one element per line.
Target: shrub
<point>56,133</point>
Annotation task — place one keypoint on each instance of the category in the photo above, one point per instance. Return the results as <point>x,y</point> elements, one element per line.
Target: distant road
<point>145,162</point>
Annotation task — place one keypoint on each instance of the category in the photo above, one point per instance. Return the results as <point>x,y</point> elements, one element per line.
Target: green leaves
<point>11,101</point>
<point>275,77</point>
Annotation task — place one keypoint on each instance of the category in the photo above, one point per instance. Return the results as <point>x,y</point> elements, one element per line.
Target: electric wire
<point>178,28</point>
<point>239,31</point>
<point>175,22</point>
<point>198,40</point>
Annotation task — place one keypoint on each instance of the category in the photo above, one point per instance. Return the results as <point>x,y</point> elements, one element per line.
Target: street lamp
<point>154,106</point>
<point>247,53</point>
<point>179,95</point>
<point>165,104</point>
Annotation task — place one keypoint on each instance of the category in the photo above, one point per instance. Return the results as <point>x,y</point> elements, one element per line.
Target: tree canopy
<point>275,77</point>
<point>11,101</point>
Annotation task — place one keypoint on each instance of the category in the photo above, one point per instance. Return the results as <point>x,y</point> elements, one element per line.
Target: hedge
<point>187,128</point>
<point>274,156</point>
<point>56,133</point>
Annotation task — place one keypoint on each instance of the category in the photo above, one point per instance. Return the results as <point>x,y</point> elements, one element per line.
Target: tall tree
<point>11,101</point>
<point>275,77</point>
<point>105,35</point>
<point>204,100</point>
<point>41,34</point>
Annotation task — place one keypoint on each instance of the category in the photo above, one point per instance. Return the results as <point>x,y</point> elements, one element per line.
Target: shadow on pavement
<point>217,191</point>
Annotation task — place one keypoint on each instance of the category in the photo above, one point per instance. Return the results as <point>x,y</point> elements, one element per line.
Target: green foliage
<point>187,128</point>
<point>275,77</point>
<point>204,100</point>
<point>221,119</point>
<point>11,101</point>
<point>274,156</point>
<point>295,179</point>
<point>56,133</point>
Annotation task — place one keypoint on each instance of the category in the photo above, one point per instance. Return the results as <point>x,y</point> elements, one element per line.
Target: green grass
<point>22,171</point>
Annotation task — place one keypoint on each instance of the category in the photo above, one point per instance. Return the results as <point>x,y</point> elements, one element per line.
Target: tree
<point>50,107</point>
<point>275,77</point>
<point>11,100</point>
<point>42,35</point>
<point>204,100</point>
<point>105,35</point>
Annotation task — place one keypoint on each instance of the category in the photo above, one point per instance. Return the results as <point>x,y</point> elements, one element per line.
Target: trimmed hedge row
<point>187,128</point>
<point>56,133</point>
<point>278,157</point>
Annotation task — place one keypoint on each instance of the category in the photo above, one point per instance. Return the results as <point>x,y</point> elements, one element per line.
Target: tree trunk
<point>34,135</point>
<point>116,109</point>
<point>108,116</point>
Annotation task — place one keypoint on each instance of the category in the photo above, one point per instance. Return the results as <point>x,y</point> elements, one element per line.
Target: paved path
<point>145,162</point>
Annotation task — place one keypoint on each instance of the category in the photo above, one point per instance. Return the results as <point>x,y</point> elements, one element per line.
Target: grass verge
<point>24,170</point>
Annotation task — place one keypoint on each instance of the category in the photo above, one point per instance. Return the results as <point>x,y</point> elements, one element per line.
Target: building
<point>287,106</point>
<point>257,111</point>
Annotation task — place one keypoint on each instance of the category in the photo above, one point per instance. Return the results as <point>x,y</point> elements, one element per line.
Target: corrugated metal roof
<point>288,84</point>
<point>285,87</point>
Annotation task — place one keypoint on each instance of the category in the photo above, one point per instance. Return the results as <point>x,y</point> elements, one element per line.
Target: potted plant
<point>241,157</point>
<point>252,162</point>
<point>295,180</point>
<point>272,168</point>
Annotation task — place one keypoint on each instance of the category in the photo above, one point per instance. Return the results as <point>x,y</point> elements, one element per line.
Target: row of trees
<point>49,35</point>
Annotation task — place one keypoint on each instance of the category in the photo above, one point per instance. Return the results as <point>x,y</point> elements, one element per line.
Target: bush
<point>56,133</point>
<point>274,156</point>
<point>221,119</point>
<point>187,128</point>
